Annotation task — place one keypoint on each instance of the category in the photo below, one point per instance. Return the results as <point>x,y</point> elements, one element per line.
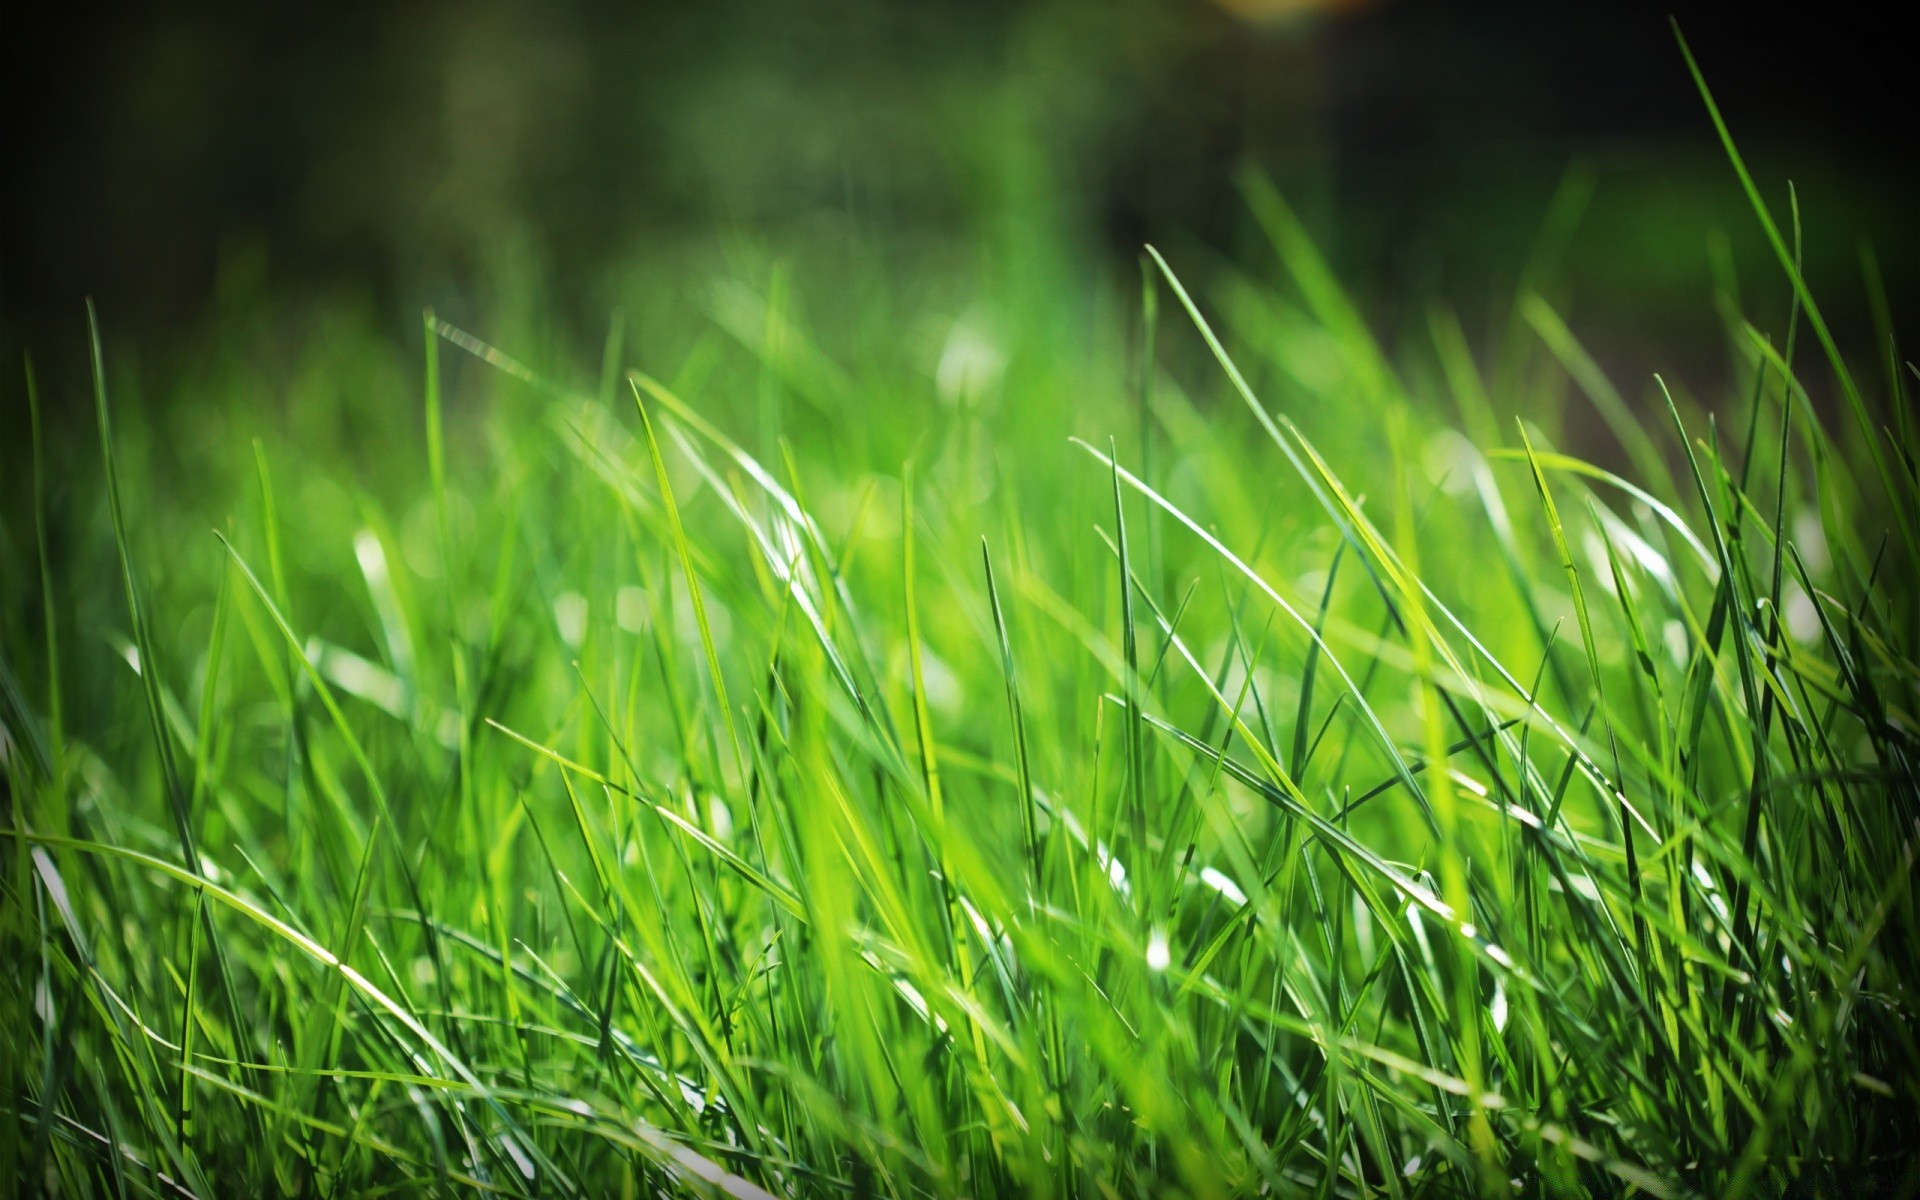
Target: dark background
<point>399,154</point>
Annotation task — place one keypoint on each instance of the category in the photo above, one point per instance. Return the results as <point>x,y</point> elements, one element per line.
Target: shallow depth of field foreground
<point>1104,745</point>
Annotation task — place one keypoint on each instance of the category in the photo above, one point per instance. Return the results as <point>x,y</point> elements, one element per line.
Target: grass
<point>804,773</point>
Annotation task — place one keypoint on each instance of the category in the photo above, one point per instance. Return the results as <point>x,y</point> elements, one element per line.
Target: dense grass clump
<point>809,773</point>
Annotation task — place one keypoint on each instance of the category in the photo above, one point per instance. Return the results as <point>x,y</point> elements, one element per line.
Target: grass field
<point>1160,745</point>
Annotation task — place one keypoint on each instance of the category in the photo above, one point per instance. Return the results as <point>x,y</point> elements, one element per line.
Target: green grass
<point>1098,765</point>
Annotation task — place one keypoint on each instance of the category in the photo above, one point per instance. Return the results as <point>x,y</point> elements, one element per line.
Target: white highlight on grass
<point>1451,461</point>
<point>1158,953</point>
<point>910,994</point>
<point>1630,548</point>
<point>570,615</point>
<point>988,935</point>
<point>1715,900</point>
<point>1810,539</point>
<point>360,677</point>
<point>1467,783</point>
<point>1674,635</point>
<point>943,686</point>
<point>631,610</point>
<point>791,548</point>
<point>719,817</point>
<point>970,365</point>
<point>1802,617</point>
<point>1596,550</point>
<point>1225,886</point>
<point>1419,929</point>
<point>519,1156</point>
<point>686,624</point>
<point>373,559</point>
<point>1115,869</point>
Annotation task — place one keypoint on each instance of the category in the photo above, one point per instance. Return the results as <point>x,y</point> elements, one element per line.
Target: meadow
<point>1169,742</point>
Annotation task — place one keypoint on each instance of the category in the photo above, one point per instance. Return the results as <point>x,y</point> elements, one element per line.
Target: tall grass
<point>815,774</point>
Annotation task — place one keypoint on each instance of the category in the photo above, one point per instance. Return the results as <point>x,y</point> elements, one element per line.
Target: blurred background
<point>208,169</point>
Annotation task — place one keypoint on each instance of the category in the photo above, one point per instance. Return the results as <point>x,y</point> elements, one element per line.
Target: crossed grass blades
<point>911,806</point>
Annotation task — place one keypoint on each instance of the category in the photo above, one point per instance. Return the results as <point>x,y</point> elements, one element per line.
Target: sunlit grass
<point>1046,770</point>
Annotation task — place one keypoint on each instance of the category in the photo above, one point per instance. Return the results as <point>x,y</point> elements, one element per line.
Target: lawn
<point>1161,743</point>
